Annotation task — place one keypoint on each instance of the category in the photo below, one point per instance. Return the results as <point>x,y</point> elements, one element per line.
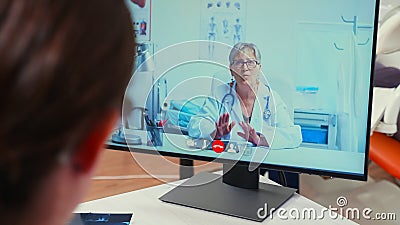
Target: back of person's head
<point>64,66</point>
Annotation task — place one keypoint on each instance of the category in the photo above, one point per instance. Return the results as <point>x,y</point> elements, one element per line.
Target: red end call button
<point>218,146</point>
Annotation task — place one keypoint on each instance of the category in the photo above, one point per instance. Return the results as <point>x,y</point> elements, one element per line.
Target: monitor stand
<point>237,193</point>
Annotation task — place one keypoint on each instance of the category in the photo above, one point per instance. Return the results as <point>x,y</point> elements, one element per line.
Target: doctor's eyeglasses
<point>249,63</point>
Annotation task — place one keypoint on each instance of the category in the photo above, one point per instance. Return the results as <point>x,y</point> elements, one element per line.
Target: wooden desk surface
<point>117,172</point>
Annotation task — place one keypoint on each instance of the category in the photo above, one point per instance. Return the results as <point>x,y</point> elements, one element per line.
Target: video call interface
<point>293,92</point>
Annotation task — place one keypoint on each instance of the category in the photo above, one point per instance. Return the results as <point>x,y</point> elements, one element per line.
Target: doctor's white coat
<point>278,129</point>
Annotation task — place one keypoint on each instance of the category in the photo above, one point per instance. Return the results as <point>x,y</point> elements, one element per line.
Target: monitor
<point>252,84</point>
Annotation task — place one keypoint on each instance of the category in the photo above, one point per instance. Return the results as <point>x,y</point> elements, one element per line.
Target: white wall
<point>277,28</point>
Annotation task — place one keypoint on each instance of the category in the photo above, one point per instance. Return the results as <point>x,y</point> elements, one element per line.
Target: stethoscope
<point>267,112</point>
<point>229,100</point>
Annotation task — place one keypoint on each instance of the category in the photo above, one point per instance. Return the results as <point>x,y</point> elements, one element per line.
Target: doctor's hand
<point>251,135</point>
<point>223,127</point>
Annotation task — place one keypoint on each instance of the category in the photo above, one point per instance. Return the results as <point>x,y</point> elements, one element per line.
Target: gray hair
<point>237,48</point>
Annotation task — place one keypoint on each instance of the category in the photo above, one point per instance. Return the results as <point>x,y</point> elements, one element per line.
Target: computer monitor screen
<point>282,84</point>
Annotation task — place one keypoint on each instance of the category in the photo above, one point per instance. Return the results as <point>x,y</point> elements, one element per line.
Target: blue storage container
<point>314,135</point>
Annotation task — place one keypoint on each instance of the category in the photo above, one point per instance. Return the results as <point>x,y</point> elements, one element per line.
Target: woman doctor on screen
<point>245,109</point>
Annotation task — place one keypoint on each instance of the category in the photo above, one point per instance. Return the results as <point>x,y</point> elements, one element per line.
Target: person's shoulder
<point>266,90</point>
<point>276,96</point>
<point>221,90</point>
<point>224,86</point>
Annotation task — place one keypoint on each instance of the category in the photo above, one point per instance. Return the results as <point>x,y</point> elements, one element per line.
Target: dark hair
<point>64,64</point>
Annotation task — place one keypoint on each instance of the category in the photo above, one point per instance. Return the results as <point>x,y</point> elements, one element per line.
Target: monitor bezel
<point>361,177</point>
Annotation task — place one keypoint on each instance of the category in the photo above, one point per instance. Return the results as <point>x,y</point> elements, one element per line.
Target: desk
<point>149,210</point>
